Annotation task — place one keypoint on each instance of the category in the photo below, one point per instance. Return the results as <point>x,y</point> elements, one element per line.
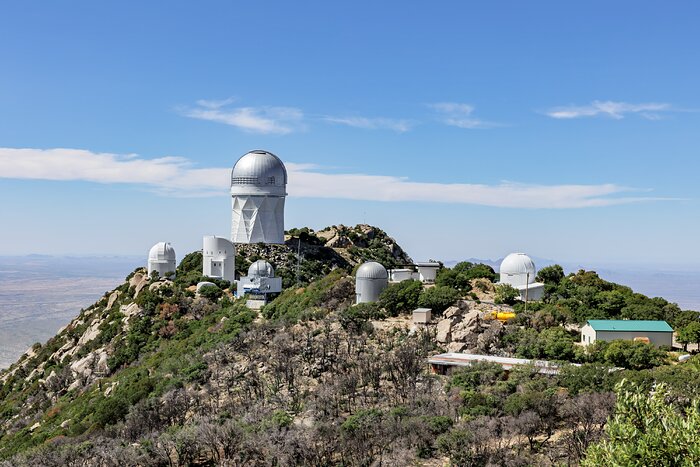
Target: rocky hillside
<point>307,255</point>
<point>153,374</point>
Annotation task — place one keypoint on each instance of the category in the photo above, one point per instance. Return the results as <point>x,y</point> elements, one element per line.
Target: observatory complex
<point>518,270</point>
<point>258,191</point>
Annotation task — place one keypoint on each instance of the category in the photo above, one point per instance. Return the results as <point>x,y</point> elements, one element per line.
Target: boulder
<point>135,279</point>
<point>160,284</point>
<point>456,346</point>
<point>112,299</point>
<point>471,319</point>
<point>90,333</point>
<point>451,312</point>
<point>141,284</point>
<point>444,327</point>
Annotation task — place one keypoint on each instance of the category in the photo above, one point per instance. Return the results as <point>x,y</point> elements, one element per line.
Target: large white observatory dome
<point>161,251</point>
<point>161,258</point>
<point>258,190</point>
<point>517,269</point>
<point>370,280</point>
<point>259,172</point>
<point>261,268</point>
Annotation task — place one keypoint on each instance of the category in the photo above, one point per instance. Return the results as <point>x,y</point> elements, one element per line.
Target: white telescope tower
<point>258,190</point>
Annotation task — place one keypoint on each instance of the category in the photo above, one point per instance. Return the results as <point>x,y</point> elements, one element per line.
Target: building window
<point>270,180</point>
<point>245,180</point>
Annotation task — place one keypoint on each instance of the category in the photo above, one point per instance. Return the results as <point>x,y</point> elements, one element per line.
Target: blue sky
<point>568,131</point>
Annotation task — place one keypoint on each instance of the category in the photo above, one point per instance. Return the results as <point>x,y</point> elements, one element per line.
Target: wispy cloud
<point>264,120</point>
<point>177,176</point>
<point>398,125</point>
<point>611,109</point>
<point>459,115</point>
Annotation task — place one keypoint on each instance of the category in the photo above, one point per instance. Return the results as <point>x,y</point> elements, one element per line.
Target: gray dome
<point>259,168</point>
<point>371,270</point>
<point>261,268</point>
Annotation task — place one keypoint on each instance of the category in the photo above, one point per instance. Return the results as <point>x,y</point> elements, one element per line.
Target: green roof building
<point>658,333</point>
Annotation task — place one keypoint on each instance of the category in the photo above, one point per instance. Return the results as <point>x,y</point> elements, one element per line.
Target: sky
<point>464,129</point>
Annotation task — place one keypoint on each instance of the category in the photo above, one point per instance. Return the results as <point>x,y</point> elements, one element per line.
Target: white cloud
<point>265,120</point>
<point>459,115</point>
<point>176,176</point>
<point>398,125</point>
<point>616,110</point>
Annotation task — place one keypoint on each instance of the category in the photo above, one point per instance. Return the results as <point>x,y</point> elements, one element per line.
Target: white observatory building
<point>370,280</point>
<point>218,258</point>
<point>518,270</point>
<point>258,190</point>
<point>161,258</point>
<point>260,280</point>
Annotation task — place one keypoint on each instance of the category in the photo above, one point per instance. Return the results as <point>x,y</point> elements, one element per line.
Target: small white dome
<point>517,269</point>
<point>261,268</point>
<point>161,251</point>
<point>371,270</point>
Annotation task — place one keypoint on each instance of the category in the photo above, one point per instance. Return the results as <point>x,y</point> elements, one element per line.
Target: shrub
<point>438,298</point>
<point>506,293</point>
<point>401,298</point>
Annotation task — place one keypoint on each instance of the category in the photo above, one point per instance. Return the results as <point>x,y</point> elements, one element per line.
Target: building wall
<point>587,335</point>
<point>218,258</point>
<point>427,274</point>
<point>257,219</point>
<point>368,290</point>
<point>534,293</point>
<point>655,338</point>
<point>163,268</point>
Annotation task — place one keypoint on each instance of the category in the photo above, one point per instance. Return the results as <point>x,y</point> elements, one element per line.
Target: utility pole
<point>298,257</point>
<point>527,289</point>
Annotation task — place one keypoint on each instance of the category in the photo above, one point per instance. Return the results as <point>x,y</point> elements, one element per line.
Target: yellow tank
<point>501,316</point>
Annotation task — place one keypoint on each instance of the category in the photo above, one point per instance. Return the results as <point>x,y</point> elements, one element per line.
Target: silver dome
<point>371,270</point>
<point>260,169</point>
<point>261,268</point>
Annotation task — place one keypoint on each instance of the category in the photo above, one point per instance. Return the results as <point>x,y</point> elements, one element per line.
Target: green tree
<point>556,344</point>
<point>633,355</point>
<point>689,334</point>
<point>211,292</point>
<point>400,298</point>
<point>551,275</point>
<point>648,431</point>
<point>438,298</point>
<point>506,293</point>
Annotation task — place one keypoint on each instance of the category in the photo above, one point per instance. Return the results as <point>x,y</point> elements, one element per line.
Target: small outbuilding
<point>422,315</point>
<point>657,333</point>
